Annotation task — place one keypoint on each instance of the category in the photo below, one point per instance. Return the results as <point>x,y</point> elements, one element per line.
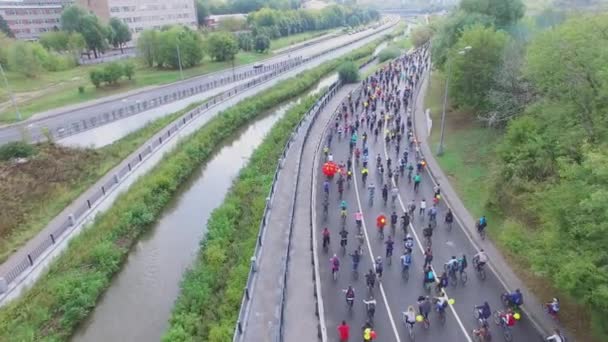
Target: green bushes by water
<point>62,298</point>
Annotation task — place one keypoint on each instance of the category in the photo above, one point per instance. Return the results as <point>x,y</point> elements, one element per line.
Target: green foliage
<point>262,43</point>
<point>55,40</point>
<point>505,12</point>
<point>222,46</point>
<point>422,35</point>
<point>167,42</point>
<point>5,44</point>
<point>111,73</point>
<point>146,46</point>
<point>118,33</point>
<point>96,77</point>
<point>348,72</point>
<point>4,28</point>
<point>22,59</point>
<point>76,19</point>
<point>16,150</point>
<point>202,12</point>
<point>128,70</point>
<point>473,71</point>
<point>59,301</point>
<point>245,41</point>
<point>552,162</point>
<point>388,53</point>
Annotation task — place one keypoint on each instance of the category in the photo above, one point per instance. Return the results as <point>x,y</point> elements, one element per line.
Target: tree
<point>5,45</point>
<point>22,59</point>
<point>4,28</point>
<point>473,72</point>
<point>388,53</point>
<point>55,40</point>
<point>128,69</point>
<point>112,73</point>
<point>222,46</point>
<point>119,33</point>
<point>202,12</point>
<point>71,18</point>
<point>262,43</point>
<point>245,41</point>
<point>187,41</point>
<point>348,72</point>
<point>505,12</point>
<point>76,44</point>
<point>96,77</point>
<point>75,19</point>
<point>147,46</point>
<point>421,35</point>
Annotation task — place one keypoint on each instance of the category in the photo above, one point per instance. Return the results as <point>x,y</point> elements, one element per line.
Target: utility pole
<point>10,93</point>
<point>445,100</point>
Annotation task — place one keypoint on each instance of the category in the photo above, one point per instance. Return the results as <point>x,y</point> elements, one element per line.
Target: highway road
<point>60,117</point>
<point>395,294</point>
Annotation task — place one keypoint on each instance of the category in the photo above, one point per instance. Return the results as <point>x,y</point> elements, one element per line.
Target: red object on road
<point>330,169</point>
<point>380,221</point>
<point>373,334</point>
<point>343,331</point>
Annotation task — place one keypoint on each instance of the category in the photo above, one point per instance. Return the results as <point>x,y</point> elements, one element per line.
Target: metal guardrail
<point>309,118</point>
<point>85,208</point>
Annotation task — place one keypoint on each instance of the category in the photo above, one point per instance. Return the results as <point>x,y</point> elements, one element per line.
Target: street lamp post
<point>445,101</point>
<point>10,94</point>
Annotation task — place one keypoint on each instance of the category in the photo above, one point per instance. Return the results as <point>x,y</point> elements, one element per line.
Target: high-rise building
<point>144,14</point>
<point>28,19</point>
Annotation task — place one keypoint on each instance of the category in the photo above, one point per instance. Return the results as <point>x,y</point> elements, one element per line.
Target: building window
<point>114,9</point>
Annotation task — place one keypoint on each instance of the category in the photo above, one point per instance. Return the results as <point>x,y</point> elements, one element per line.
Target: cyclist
<point>428,257</point>
<point>408,243</point>
<point>325,234</point>
<point>449,218</point>
<point>385,193</point>
<point>417,180</point>
<point>440,304</point>
<point>343,205</point>
<point>335,264</point>
<point>340,185</point>
<point>389,247</point>
<point>406,260</point>
<point>356,257</point>
<point>370,279</point>
<point>556,337</point>
<point>371,188</point>
<point>325,151</point>
<point>330,157</point>
<point>452,266</point>
<point>343,238</point>
<point>422,208</point>
<point>394,194</point>
<point>380,223</point>
<point>361,238</point>
<point>378,267</point>
<point>364,173</point>
<point>349,177</point>
<point>507,318</point>
<point>325,206</point>
<point>410,316</point>
<point>365,160</point>
<point>411,209</point>
<point>428,232</point>
<point>436,190</point>
<point>484,312</point>
<point>483,332</point>
<point>357,155</point>
<point>343,331</point>
<point>429,277</point>
<point>481,259</point>
<point>370,307</point>
<point>326,187</point>
<point>433,214</point>
<point>394,219</point>
<point>388,163</point>
<point>462,264</point>
<point>515,299</point>
<point>553,307</point>
<point>482,224</point>
<point>358,219</point>
<point>378,160</point>
<point>424,307</point>
<point>350,295</point>
<point>443,282</point>
<point>405,221</point>
<point>410,171</point>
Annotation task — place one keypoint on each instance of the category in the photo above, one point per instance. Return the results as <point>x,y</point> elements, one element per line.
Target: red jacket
<point>343,331</point>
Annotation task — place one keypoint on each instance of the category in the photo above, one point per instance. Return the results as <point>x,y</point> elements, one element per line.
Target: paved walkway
<point>299,315</point>
<point>498,264</point>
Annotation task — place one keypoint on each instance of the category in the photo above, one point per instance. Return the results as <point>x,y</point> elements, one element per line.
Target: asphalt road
<point>60,117</point>
<point>395,294</point>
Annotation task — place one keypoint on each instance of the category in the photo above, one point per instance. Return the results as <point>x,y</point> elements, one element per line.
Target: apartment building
<point>140,15</point>
<point>28,19</point>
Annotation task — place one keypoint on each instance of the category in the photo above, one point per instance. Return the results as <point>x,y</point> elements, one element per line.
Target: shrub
<point>96,77</point>
<point>222,46</point>
<point>81,89</point>
<point>262,43</point>
<point>16,150</point>
<point>112,73</point>
<point>388,53</point>
<point>348,72</point>
<point>128,69</point>
<point>245,41</point>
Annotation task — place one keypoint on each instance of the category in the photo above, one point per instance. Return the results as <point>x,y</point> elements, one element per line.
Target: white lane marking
<point>464,330</point>
<point>371,253</point>
<point>462,225</point>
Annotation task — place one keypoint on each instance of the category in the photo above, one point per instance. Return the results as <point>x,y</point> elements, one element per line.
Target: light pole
<point>10,94</point>
<point>179,61</point>
<point>445,100</point>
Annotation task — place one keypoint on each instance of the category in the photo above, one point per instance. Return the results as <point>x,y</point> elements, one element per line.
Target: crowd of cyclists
<point>381,108</point>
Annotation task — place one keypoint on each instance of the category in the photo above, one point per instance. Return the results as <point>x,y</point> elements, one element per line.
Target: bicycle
<point>506,330</point>
<point>463,277</point>
<point>433,221</point>
<point>448,225</point>
<point>428,241</point>
<point>380,234</point>
<point>343,214</point>
<point>334,272</point>
<point>409,326</point>
<point>441,315</point>
<point>325,210</point>
<point>481,271</point>
<point>405,272</point>
<point>477,314</point>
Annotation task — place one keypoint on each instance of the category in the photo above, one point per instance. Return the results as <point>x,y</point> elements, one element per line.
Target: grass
<point>58,302</point>
<point>283,42</point>
<point>27,204</point>
<point>469,154</point>
<point>52,90</point>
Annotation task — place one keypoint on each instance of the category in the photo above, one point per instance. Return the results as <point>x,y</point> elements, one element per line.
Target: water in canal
<point>137,305</point>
